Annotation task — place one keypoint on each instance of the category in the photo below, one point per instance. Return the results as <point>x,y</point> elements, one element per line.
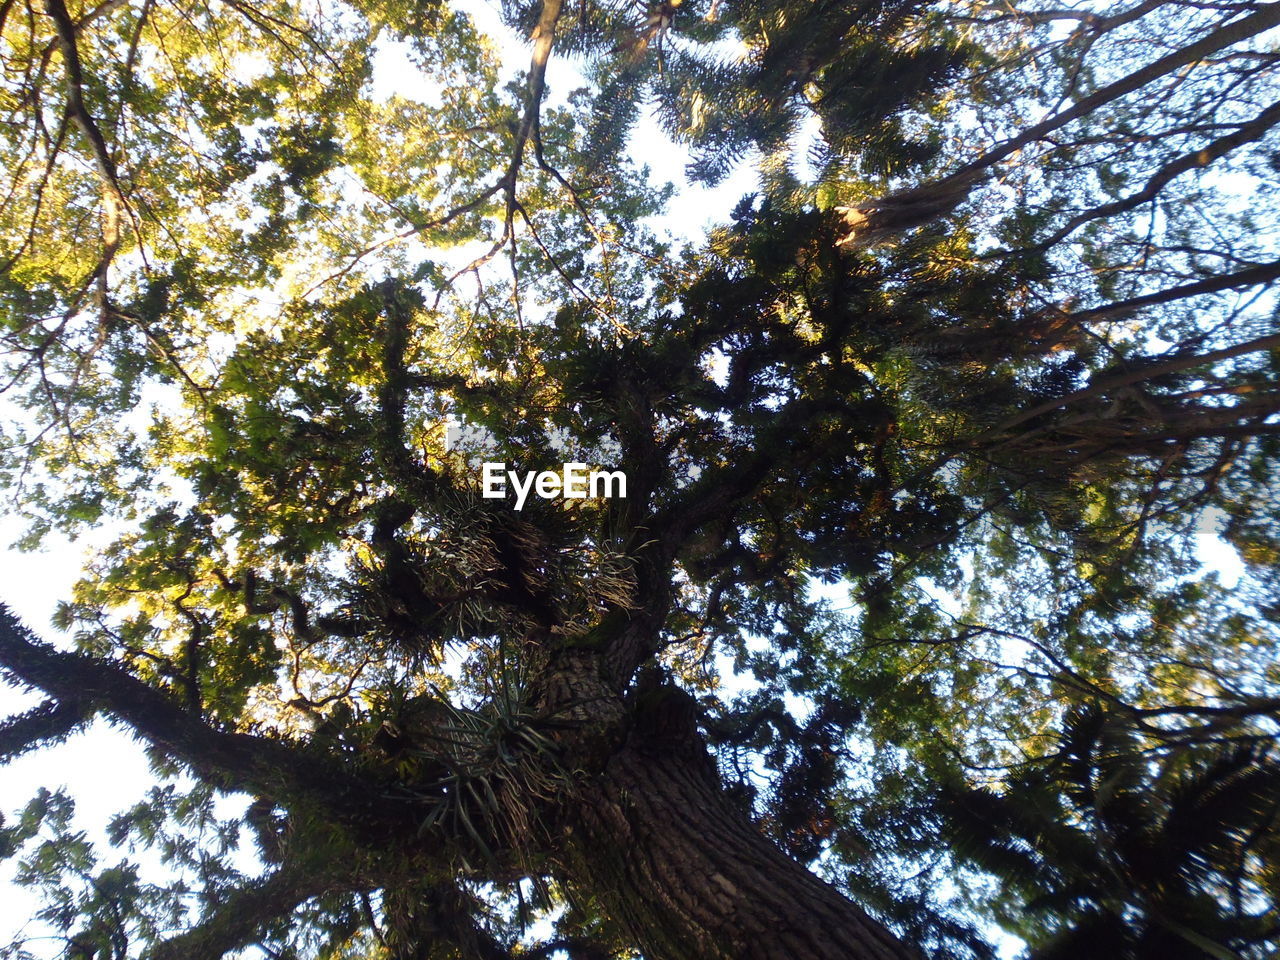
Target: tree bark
<point>688,875</point>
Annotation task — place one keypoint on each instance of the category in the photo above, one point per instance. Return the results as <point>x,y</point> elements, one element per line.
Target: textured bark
<point>688,875</point>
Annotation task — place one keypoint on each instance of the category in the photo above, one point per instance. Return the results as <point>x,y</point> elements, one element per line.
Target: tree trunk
<point>690,878</point>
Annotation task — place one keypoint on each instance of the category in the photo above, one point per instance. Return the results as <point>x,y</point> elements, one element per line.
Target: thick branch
<point>1174,364</point>
<point>544,35</point>
<point>113,202</point>
<point>238,918</point>
<point>66,28</point>
<point>884,218</point>
<point>1196,159</point>
<point>1252,277</point>
<point>49,723</point>
<point>234,761</point>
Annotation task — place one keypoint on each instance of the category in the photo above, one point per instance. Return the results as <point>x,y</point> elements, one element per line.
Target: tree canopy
<point>898,636</point>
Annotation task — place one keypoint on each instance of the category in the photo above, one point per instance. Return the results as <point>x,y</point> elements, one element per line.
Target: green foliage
<point>919,445</point>
<point>1108,848</point>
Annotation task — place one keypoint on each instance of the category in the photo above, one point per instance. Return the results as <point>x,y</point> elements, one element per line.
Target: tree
<point>994,334</point>
<point>1132,850</point>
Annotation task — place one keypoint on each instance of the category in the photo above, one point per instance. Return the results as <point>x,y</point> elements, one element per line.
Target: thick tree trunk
<point>690,878</point>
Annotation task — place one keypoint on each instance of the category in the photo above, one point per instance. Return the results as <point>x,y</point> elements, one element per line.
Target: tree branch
<point>113,201</point>
<point>232,761</point>
<point>1253,276</point>
<point>884,218</point>
<point>41,726</point>
<point>239,916</point>
<point>544,35</point>
<point>1196,159</point>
